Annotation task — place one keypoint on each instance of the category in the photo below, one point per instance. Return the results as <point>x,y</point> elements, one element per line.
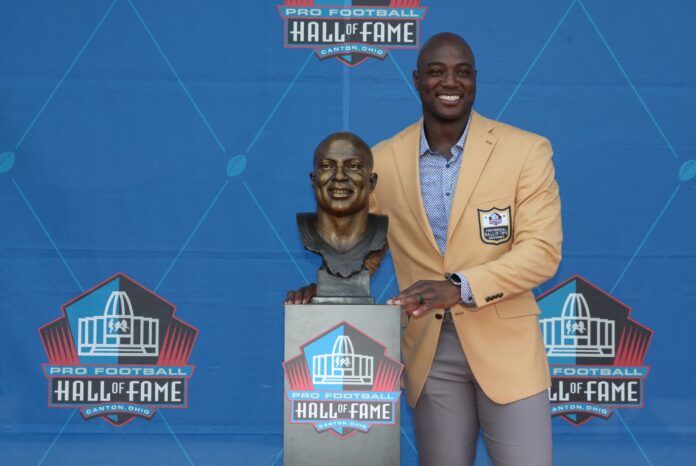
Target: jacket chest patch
<point>495,225</point>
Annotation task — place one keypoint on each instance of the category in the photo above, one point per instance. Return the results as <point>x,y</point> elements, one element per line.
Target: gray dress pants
<point>452,406</point>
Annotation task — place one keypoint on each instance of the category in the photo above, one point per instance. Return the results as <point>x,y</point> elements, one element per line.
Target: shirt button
<point>447,194</point>
<point>448,165</point>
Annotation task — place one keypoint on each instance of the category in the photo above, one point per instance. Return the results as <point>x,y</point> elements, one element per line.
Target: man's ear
<point>416,79</point>
<point>311,178</point>
<point>373,181</point>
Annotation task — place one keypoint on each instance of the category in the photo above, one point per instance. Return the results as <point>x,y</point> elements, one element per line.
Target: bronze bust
<point>343,231</point>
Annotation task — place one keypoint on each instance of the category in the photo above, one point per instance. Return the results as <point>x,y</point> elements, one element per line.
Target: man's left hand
<point>426,295</point>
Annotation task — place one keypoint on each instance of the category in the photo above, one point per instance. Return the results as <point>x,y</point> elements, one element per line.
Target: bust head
<point>342,175</point>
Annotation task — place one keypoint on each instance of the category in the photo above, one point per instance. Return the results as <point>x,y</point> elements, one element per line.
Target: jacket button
<point>438,316</point>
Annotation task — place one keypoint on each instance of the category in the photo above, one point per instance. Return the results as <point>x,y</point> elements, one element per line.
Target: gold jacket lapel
<point>477,148</point>
<point>405,153</point>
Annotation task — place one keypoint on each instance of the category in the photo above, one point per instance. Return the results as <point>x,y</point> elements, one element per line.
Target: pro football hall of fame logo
<point>352,30</point>
<point>595,352</point>
<point>343,381</point>
<point>118,352</point>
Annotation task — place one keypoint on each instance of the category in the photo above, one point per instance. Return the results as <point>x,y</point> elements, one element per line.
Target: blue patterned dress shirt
<point>438,180</point>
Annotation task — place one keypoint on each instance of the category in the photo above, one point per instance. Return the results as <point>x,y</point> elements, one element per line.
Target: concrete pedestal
<point>342,385</point>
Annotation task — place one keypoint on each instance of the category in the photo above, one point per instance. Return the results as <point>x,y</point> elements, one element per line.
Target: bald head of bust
<point>342,175</point>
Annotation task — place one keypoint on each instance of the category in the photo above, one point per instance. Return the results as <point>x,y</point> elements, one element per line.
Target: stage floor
<point>127,448</point>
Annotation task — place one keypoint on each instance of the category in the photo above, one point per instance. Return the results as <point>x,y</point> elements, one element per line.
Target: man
<point>474,215</point>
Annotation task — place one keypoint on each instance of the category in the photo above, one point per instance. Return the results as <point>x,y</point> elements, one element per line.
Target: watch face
<point>454,279</point>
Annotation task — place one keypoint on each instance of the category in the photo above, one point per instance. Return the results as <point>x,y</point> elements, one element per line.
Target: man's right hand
<point>303,295</point>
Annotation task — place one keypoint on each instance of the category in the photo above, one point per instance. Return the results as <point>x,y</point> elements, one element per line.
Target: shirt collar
<point>425,147</point>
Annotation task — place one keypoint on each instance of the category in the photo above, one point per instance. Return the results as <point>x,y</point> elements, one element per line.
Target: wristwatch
<point>453,278</point>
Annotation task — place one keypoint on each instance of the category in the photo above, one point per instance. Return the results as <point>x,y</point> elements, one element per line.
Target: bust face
<point>342,178</point>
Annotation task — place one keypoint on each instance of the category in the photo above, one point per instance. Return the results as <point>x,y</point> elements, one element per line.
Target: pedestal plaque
<point>342,385</point>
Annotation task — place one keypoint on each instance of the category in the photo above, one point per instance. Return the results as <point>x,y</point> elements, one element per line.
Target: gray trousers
<point>452,406</point>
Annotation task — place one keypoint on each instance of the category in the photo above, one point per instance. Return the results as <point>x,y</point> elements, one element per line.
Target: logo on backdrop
<point>118,352</point>
<point>343,381</point>
<point>352,30</point>
<point>595,352</point>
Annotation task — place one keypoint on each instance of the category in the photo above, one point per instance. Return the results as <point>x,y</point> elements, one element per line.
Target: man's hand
<point>426,295</point>
<point>303,295</point>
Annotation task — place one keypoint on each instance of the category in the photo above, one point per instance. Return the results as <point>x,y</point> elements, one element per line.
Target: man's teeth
<point>449,98</point>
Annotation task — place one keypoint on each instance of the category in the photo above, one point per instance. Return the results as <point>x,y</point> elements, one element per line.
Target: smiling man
<point>474,225</point>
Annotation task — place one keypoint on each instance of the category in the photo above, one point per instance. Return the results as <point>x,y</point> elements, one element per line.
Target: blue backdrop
<point>120,122</point>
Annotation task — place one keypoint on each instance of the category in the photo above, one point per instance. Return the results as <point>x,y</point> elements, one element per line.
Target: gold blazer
<point>504,235</point>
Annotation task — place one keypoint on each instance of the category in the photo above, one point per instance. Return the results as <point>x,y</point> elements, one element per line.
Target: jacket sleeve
<point>537,234</point>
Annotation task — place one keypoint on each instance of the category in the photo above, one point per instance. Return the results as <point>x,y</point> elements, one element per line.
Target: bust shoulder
<point>343,264</point>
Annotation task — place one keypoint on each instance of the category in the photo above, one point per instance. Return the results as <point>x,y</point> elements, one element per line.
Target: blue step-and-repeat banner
<point>153,155</point>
